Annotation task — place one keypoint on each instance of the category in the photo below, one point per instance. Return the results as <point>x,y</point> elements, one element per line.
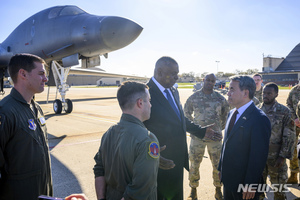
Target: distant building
<point>99,80</point>
<point>93,80</point>
<point>283,71</point>
<point>186,79</point>
<point>82,79</point>
<point>270,64</point>
<point>110,81</point>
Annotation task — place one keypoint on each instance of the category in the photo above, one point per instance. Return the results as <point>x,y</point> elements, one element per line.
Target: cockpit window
<point>54,12</point>
<point>62,11</point>
<point>73,10</point>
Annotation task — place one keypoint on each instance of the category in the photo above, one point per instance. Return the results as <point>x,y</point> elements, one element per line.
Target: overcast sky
<point>196,33</point>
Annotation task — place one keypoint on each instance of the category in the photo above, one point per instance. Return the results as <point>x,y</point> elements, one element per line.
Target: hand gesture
<point>210,134</point>
<point>76,197</point>
<point>165,163</point>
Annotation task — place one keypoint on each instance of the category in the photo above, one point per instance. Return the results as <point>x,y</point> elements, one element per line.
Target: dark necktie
<point>171,102</point>
<point>232,120</point>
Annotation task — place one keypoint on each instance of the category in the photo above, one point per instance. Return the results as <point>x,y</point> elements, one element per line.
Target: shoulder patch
<point>31,124</point>
<point>153,150</point>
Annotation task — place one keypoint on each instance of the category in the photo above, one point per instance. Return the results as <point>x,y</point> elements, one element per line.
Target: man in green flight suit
<point>25,171</point>
<point>128,157</point>
<point>24,156</point>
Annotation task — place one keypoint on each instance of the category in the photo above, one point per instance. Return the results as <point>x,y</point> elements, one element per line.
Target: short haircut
<point>129,92</point>
<point>164,61</point>
<point>272,85</point>
<point>257,74</point>
<point>22,61</point>
<point>211,74</point>
<point>245,83</point>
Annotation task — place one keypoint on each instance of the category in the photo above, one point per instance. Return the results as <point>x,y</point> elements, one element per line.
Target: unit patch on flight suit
<point>153,150</point>
<point>32,125</point>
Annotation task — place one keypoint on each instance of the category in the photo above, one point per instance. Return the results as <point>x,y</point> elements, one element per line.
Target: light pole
<point>217,61</point>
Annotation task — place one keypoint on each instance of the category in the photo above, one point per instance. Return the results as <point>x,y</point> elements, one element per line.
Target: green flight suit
<point>128,158</point>
<point>24,153</point>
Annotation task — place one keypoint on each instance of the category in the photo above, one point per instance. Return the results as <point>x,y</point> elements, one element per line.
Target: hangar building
<point>283,71</point>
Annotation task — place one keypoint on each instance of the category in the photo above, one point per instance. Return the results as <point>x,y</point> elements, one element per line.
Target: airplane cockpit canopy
<point>63,11</point>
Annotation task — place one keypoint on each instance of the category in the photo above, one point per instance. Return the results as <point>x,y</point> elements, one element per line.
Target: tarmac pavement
<point>74,140</point>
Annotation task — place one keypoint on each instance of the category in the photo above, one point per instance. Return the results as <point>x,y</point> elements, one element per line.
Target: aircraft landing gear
<point>68,106</point>
<point>58,106</point>
<point>60,77</point>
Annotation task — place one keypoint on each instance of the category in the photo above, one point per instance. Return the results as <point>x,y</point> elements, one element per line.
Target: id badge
<point>42,121</point>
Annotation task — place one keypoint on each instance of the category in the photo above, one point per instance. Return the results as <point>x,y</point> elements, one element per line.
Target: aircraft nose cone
<point>118,32</point>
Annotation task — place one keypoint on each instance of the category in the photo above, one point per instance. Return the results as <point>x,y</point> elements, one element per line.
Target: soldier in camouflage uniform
<point>205,107</point>
<point>255,101</point>
<point>282,138</point>
<point>259,89</point>
<point>292,102</point>
<point>298,151</point>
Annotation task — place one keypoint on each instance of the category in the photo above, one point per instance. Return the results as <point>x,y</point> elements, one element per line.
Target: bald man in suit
<point>168,123</point>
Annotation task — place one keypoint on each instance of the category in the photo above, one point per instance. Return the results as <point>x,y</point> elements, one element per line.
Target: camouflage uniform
<point>297,154</point>
<point>282,142</point>
<point>292,102</point>
<point>255,101</point>
<point>206,109</point>
<point>258,95</point>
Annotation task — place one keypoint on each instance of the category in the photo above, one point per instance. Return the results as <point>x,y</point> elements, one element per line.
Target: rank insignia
<point>153,150</point>
<point>32,125</point>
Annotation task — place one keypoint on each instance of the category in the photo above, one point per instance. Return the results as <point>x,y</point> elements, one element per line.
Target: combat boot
<point>292,179</point>
<point>218,194</point>
<point>193,195</point>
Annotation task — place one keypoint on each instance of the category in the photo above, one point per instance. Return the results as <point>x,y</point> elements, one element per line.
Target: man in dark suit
<point>246,142</point>
<point>168,123</point>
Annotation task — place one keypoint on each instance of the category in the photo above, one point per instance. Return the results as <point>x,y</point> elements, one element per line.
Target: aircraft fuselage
<point>62,31</point>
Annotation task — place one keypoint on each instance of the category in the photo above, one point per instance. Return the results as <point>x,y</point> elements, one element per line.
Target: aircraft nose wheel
<point>58,106</point>
<point>68,106</point>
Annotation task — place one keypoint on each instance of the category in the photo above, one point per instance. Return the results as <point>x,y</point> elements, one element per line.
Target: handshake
<point>210,133</point>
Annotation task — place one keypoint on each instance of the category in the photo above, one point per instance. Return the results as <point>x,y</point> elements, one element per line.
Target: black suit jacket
<point>245,149</point>
<point>170,131</point>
